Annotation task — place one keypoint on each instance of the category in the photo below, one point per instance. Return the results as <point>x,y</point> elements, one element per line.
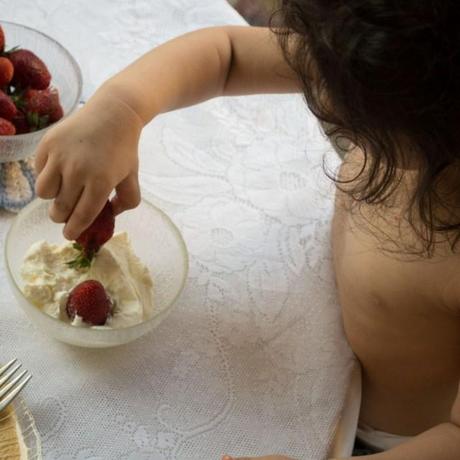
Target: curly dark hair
<point>385,74</point>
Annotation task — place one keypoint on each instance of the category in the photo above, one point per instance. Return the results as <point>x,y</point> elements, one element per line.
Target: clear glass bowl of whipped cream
<point>154,240</point>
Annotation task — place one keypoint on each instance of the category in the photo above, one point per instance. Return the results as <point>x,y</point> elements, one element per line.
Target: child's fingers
<point>128,194</point>
<point>65,201</point>
<point>48,182</point>
<point>41,157</point>
<point>90,204</point>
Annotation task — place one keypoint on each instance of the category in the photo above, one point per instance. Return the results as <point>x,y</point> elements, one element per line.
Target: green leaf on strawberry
<point>33,120</point>
<point>81,261</point>
<point>43,121</point>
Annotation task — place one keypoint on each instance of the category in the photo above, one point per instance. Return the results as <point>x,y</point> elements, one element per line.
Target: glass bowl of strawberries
<point>40,83</point>
<point>154,239</point>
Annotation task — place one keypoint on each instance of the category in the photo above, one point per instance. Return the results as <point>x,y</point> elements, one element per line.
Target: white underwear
<point>379,439</point>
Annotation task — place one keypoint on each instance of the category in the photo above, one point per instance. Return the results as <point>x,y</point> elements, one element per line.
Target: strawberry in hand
<point>89,300</point>
<point>91,240</point>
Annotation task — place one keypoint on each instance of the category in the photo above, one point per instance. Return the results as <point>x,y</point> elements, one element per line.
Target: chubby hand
<point>84,158</point>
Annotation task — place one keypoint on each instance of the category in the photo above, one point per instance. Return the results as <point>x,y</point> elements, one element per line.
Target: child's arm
<point>82,159</point>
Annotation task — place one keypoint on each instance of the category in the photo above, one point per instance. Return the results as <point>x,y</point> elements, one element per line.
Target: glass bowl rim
<point>94,331</point>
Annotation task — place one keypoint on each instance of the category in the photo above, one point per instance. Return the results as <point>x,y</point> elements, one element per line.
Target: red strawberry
<point>90,301</point>
<point>38,101</point>
<point>2,39</point>
<point>7,107</point>
<point>20,122</point>
<point>98,233</point>
<point>42,107</point>
<point>42,101</point>
<point>29,70</point>
<point>6,71</point>
<point>57,113</point>
<point>6,128</point>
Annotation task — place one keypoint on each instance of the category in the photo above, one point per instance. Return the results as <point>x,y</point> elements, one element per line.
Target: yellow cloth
<point>9,441</point>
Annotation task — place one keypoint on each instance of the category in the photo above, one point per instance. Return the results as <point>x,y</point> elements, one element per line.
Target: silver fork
<point>11,385</point>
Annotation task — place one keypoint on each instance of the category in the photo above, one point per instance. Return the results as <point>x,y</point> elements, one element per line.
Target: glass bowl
<point>155,240</point>
<point>66,77</point>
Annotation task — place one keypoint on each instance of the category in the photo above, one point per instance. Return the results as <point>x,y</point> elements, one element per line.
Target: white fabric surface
<point>253,359</point>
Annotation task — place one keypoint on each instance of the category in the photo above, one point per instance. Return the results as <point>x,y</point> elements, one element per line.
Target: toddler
<point>383,76</point>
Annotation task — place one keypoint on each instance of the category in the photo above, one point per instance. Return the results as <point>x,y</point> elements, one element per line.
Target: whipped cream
<point>48,280</point>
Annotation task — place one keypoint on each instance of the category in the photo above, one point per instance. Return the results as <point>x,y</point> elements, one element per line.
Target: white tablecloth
<point>253,359</point>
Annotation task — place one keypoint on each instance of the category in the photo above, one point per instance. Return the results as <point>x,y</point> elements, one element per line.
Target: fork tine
<point>7,366</point>
<point>5,379</point>
<point>12,394</point>
<point>10,385</point>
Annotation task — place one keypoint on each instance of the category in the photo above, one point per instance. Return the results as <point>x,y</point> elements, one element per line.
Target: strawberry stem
<point>11,50</point>
<point>83,260</point>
